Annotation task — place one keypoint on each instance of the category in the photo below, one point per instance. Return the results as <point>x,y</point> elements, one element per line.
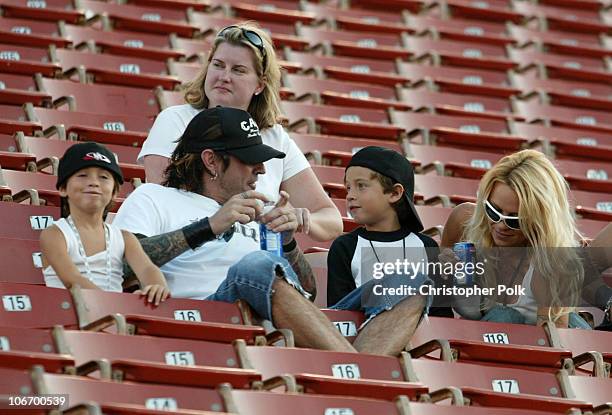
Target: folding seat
<point>451,161</point>
<point>30,33</point>
<point>574,142</point>
<point>557,115</point>
<point>379,72</point>
<point>590,228</point>
<point>260,403</point>
<point>586,342</point>
<point>589,389</point>
<point>356,44</point>
<point>309,245</point>
<point>335,150</point>
<point>26,221</point>
<point>94,408</point>
<point>208,23</point>
<point>192,49</point>
<point>125,43</point>
<point>274,14</point>
<point>140,19</point>
<point>160,397</point>
<point>166,99</point>
<point>420,45</point>
<point>460,80</point>
<point>459,131</point>
<point>105,99</point>
<point>109,129</point>
<point>24,60</point>
<point>342,93</point>
<point>487,11</point>
<point>348,121</point>
<point>12,120</point>
<point>478,31</point>
<point>585,21</point>
<point>32,306</point>
<point>53,10</point>
<point>11,160</point>
<point>15,90</point>
<point>354,18</point>
<point>588,176</point>
<point>118,70</point>
<point>592,205</point>
<point>184,71</point>
<point>53,150</point>
<point>21,262</point>
<point>459,103</point>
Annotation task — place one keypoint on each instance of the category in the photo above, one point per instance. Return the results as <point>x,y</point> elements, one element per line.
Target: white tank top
<point>526,304</point>
<point>97,262</point>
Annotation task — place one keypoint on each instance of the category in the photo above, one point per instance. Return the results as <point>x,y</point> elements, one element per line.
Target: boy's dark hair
<point>65,207</point>
<point>401,206</point>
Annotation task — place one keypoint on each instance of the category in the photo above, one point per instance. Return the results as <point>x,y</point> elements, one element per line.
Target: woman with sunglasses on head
<point>242,71</point>
<point>520,220</point>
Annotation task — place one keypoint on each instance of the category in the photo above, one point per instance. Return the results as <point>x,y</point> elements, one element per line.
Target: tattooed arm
<point>302,268</point>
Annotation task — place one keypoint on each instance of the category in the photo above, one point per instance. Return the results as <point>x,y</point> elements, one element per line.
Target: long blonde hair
<point>264,107</point>
<point>546,220</point>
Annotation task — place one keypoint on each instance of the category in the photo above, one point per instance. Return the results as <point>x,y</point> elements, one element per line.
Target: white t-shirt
<point>97,262</point>
<point>153,209</point>
<point>171,123</point>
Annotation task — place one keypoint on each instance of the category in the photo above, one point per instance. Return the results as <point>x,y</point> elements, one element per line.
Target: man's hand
<point>155,293</point>
<point>284,218</point>
<point>244,208</point>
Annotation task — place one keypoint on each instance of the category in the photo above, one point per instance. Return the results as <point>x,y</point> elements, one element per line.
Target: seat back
<point>24,339</point>
<point>21,261</point>
<point>597,391</point>
<point>26,221</point>
<point>25,305</point>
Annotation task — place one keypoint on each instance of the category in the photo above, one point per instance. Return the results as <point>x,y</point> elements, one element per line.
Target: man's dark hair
<point>186,170</point>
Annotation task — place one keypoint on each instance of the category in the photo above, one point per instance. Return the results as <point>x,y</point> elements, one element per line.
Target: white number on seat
<point>472,80</point>
<point>129,68</point>
<point>587,141</point>
<point>4,343</point>
<point>37,259</point>
<point>367,43</point>
<point>17,302</point>
<point>180,358</point>
<point>36,4</point>
<point>498,338</point>
<point>346,328</point>
<point>360,69</point>
<point>9,55</point>
<point>2,85</point>
<point>41,222</point>
<point>346,371</point>
<point>506,386</point>
<point>473,31</point>
<point>339,411</point>
<point>481,164</point>
<point>23,30</point>
<point>473,106</point>
<point>597,174</point>
<point>137,44</point>
<point>187,315</point>
<point>604,206</point>
<point>473,129</point>
<point>586,120</point>
<point>359,94</point>
<point>114,126</point>
<point>151,17</point>
<point>161,404</point>
<point>350,118</point>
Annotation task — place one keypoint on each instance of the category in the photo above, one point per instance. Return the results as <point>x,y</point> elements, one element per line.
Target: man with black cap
<point>380,268</point>
<point>200,228</point>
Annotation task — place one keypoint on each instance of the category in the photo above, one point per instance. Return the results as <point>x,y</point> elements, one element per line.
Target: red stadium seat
<point>108,129</point>
<point>478,31</point>
<point>15,90</point>
<point>125,43</point>
<point>24,60</point>
<point>117,70</point>
<point>271,15</point>
<point>141,19</point>
<point>191,48</point>
<point>32,306</point>
<point>25,339</point>
<point>53,10</point>
<point>586,342</point>
<point>32,33</point>
<point>104,99</point>
<point>592,176</point>
<point>21,261</point>
<point>558,116</point>
<point>348,121</point>
<point>592,205</point>
<point>26,221</point>
<point>487,11</point>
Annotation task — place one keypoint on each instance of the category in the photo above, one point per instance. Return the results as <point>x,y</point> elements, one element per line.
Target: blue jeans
<point>504,314</point>
<point>371,300</point>
<point>251,279</point>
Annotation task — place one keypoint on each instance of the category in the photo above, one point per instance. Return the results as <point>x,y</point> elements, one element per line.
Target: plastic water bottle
<point>268,240</point>
<point>466,252</point>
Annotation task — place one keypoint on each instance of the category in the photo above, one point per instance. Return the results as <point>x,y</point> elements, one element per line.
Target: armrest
<point>110,320</point>
<point>451,392</point>
<point>99,365</point>
<point>285,335</point>
<point>288,381</point>
<point>442,345</point>
<point>599,370</point>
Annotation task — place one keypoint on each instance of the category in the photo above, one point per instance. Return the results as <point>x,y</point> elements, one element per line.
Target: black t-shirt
<point>348,252</point>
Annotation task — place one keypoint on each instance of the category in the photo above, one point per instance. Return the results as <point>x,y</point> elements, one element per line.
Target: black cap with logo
<point>87,154</point>
<point>237,134</point>
<point>395,166</point>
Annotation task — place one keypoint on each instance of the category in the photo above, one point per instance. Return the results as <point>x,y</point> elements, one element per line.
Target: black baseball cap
<point>87,154</point>
<point>392,164</point>
<point>237,134</point>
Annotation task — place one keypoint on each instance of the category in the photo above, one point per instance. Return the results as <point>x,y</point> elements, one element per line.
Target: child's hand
<point>155,293</point>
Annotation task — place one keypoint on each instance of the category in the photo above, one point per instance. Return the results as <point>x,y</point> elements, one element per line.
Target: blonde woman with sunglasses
<point>520,220</point>
<point>242,71</point>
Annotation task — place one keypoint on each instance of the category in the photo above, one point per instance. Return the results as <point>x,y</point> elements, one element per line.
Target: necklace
<point>82,248</point>
<point>376,254</point>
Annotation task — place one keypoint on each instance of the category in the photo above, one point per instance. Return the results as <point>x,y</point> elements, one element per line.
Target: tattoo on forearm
<point>303,270</point>
<point>160,248</point>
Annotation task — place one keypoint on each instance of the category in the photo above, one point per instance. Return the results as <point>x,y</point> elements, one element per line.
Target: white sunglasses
<point>494,216</point>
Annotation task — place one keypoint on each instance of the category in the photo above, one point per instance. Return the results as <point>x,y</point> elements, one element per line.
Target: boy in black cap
<point>80,249</point>
<point>366,265</point>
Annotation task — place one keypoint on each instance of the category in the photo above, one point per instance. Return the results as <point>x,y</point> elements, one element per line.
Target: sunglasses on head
<point>252,37</point>
<point>494,216</point>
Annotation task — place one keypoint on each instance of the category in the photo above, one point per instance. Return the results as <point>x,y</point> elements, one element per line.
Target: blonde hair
<point>546,220</point>
<point>264,107</point>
